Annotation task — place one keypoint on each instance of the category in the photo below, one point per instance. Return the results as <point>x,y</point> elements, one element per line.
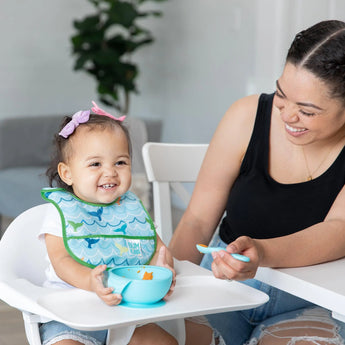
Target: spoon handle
<point>206,250</point>
<point>240,257</point>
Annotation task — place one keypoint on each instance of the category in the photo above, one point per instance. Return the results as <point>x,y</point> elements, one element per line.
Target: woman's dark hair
<point>321,50</point>
<point>61,145</point>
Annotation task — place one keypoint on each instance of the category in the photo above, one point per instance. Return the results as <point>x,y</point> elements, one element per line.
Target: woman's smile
<point>295,130</point>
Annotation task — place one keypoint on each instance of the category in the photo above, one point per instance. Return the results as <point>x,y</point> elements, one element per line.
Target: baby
<point>95,222</point>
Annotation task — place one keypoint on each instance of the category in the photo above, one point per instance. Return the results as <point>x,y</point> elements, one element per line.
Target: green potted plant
<point>104,43</point>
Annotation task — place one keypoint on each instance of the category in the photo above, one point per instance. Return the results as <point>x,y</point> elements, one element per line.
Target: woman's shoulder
<point>245,107</point>
<point>233,133</point>
<point>240,117</point>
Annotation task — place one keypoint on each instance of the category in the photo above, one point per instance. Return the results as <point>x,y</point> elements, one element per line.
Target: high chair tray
<point>197,292</point>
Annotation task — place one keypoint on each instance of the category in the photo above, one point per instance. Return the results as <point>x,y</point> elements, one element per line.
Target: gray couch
<point>25,151</point>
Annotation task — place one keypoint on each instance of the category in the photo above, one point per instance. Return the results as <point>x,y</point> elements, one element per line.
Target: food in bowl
<point>148,275</point>
<point>143,284</point>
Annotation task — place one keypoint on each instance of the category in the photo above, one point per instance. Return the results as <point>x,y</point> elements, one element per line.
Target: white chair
<point>168,164</point>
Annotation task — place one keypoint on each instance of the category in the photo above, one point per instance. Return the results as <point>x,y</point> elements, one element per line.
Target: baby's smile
<point>108,185</point>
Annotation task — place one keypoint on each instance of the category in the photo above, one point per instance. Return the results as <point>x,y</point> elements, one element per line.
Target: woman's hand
<point>162,261</point>
<point>104,293</point>
<point>225,266</point>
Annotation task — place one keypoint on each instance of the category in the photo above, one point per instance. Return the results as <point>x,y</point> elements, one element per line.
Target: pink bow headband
<point>83,116</point>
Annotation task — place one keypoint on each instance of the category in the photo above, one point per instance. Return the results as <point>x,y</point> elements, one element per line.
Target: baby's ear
<point>65,173</point>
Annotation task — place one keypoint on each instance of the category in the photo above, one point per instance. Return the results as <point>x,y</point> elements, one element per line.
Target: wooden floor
<point>11,321</point>
<point>11,326</point>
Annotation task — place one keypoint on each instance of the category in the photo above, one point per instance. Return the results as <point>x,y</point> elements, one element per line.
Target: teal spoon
<point>206,250</point>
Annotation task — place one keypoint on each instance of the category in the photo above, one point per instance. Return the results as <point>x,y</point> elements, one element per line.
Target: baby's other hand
<point>162,261</point>
<point>104,293</point>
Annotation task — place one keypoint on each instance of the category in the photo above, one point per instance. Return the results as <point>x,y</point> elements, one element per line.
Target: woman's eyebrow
<point>304,104</point>
<point>280,89</point>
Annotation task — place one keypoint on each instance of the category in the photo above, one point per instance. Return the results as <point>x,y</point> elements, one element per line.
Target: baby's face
<point>99,166</point>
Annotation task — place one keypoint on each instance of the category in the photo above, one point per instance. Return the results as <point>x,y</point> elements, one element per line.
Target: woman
<point>276,165</point>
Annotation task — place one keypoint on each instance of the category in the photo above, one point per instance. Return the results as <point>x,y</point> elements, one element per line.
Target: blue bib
<point>118,234</point>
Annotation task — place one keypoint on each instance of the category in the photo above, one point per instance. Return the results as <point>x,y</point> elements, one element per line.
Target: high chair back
<point>168,166</point>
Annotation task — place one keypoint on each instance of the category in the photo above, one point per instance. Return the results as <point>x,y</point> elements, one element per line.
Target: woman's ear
<point>65,173</point>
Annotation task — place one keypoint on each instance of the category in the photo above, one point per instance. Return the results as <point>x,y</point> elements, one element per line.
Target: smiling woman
<point>313,120</point>
<point>276,166</point>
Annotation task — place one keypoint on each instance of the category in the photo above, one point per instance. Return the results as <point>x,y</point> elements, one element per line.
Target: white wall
<point>206,55</point>
<point>36,76</point>
<point>277,22</point>
<point>203,54</point>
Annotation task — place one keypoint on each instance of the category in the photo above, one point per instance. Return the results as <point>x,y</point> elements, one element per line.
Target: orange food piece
<point>148,275</point>
<point>202,245</point>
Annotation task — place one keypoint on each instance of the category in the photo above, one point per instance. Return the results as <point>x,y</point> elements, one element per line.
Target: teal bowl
<point>128,281</point>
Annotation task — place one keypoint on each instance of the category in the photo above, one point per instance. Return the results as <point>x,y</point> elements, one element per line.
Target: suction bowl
<point>136,291</point>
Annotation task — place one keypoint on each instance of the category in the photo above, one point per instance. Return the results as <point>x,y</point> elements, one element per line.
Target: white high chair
<point>22,265</point>
<point>169,164</point>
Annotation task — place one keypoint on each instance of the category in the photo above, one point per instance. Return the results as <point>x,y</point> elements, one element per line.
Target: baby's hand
<point>162,261</point>
<point>104,293</point>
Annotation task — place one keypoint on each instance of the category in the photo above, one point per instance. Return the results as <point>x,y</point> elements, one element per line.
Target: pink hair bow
<point>97,110</point>
<point>79,117</point>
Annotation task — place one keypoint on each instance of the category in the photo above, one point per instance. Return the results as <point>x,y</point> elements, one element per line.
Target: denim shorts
<point>247,326</point>
<point>54,331</point>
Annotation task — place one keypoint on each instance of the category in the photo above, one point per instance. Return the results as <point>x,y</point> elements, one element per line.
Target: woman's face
<point>306,109</point>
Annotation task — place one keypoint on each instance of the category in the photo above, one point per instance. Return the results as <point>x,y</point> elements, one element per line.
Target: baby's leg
<point>57,333</point>
<point>198,333</point>
<point>152,334</point>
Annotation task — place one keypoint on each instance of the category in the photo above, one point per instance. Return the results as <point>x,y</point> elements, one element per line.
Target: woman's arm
<point>218,172</point>
<point>319,243</point>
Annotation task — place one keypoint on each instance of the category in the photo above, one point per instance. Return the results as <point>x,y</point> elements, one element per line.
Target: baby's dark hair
<point>62,151</point>
<point>321,50</point>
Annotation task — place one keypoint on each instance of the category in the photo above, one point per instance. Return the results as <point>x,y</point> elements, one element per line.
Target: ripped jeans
<point>284,319</point>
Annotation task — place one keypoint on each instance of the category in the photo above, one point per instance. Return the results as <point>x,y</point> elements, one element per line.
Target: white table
<point>322,284</point>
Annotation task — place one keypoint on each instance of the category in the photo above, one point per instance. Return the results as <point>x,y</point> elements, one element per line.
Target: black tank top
<point>260,207</point>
